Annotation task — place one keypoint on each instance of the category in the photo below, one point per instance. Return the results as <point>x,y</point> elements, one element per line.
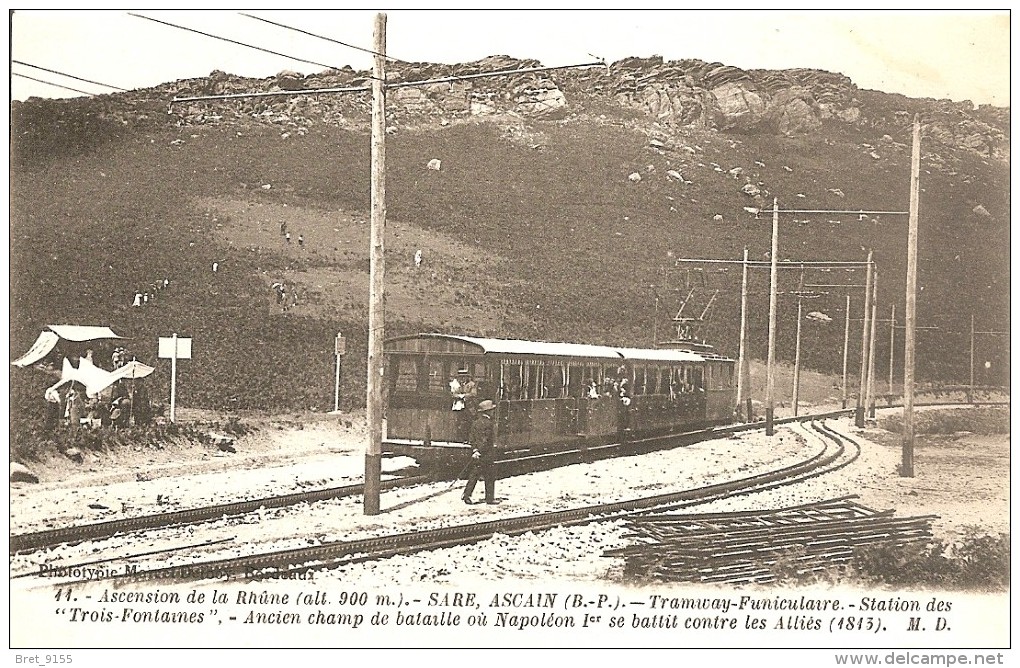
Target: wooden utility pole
<point>339,350</point>
<point>796,360</point>
<point>846,346</point>
<point>871,349</point>
<point>859,413</point>
<point>892,345</point>
<point>770,407</point>
<point>743,390</point>
<point>907,465</point>
<point>377,263</point>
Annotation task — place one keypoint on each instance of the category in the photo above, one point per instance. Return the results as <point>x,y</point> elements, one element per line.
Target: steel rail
<point>83,532</point>
<point>299,560</point>
<point>27,542</point>
<point>99,530</point>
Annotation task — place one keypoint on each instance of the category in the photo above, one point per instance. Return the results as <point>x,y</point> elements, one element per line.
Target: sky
<point>941,54</point>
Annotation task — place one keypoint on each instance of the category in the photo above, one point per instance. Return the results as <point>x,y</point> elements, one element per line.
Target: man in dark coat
<point>483,454</point>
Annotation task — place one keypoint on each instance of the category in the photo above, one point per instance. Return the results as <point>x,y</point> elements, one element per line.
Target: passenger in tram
<point>609,385</point>
<point>469,386</point>
<point>554,387</point>
<point>592,391</point>
<point>623,412</point>
<point>464,391</point>
<point>623,391</point>
<point>456,393</point>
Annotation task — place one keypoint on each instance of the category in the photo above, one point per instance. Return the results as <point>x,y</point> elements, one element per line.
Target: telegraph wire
<point>328,39</point>
<point>50,83</point>
<point>404,84</point>
<point>233,41</point>
<point>69,76</point>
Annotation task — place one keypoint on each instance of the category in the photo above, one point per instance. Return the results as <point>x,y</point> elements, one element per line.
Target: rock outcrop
<point>681,93</point>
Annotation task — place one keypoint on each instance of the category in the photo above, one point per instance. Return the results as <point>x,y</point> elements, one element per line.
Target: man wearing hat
<point>483,454</point>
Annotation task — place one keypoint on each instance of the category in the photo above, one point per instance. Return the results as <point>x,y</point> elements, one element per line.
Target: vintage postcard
<point>336,330</point>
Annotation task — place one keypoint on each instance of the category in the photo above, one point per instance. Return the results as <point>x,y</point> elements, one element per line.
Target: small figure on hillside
<point>101,413</point>
<point>417,258</point>
<point>75,409</point>
<point>283,227</point>
<point>116,413</point>
<point>301,240</point>
<point>121,414</point>
<point>138,299</point>
<point>286,236</point>
<point>483,454</point>
<point>215,267</point>
<point>52,409</point>
<point>142,409</point>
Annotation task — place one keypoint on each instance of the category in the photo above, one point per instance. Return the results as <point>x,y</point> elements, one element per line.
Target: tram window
<point>406,374</point>
<point>665,387</point>
<point>438,376</point>
<point>511,383</point>
<point>554,381</point>
<point>651,381</point>
<point>483,379</point>
<point>639,380</point>
<point>532,381</point>
<point>575,378</point>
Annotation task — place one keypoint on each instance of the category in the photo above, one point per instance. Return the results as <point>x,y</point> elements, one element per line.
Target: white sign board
<point>166,348</point>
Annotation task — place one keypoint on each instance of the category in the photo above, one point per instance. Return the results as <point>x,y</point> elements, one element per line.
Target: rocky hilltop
<point>680,93</point>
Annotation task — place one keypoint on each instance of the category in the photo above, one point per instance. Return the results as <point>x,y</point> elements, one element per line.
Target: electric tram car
<point>548,396</point>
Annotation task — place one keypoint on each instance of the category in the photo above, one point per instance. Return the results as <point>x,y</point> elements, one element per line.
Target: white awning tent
<point>95,379</point>
<point>53,334</point>
<point>133,370</point>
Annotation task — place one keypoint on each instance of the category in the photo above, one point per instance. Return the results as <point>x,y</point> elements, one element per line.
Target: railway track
<point>832,455</point>
<point>99,530</point>
<point>27,542</point>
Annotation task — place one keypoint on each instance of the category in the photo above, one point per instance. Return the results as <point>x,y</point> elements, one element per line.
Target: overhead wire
<point>234,41</point>
<point>50,83</point>
<point>401,84</point>
<point>65,74</point>
<point>328,39</point>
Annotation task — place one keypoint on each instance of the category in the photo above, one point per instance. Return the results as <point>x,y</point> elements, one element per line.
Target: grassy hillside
<point>530,229</point>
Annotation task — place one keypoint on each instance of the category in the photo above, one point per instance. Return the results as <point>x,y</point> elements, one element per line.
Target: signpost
<point>341,350</point>
<point>174,348</point>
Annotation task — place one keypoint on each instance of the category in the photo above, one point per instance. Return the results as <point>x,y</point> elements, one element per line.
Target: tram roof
<point>551,349</point>
<point>660,355</point>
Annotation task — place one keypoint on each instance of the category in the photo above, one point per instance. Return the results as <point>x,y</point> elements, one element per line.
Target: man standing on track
<point>483,454</point>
